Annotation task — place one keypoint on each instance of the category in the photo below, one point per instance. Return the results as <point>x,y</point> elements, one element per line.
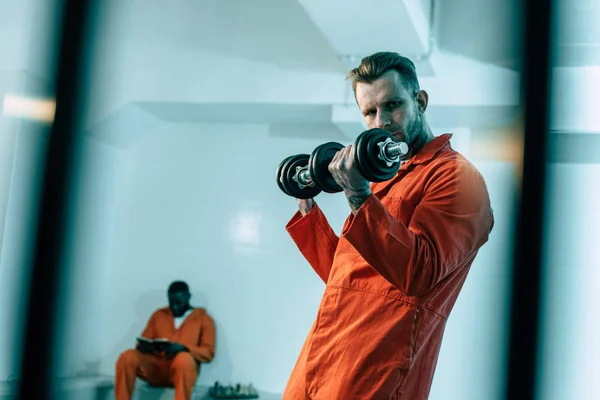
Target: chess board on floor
<point>239,391</point>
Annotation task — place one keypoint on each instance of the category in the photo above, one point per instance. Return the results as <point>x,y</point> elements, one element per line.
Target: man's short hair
<point>372,67</point>
<point>178,286</point>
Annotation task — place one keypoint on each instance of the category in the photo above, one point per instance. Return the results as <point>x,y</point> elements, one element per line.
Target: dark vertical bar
<point>527,266</point>
<point>38,348</point>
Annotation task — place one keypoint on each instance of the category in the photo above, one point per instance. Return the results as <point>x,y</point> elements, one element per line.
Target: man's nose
<point>383,120</point>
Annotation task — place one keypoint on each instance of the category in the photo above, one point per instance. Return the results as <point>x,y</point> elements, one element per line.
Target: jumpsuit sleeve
<point>448,226</point>
<point>205,351</point>
<point>315,239</point>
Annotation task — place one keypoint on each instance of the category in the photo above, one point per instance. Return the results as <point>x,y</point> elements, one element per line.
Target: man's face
<point>386,104</point>
<point>179,303</point>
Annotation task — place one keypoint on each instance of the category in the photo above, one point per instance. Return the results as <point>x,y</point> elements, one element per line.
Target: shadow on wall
<point>221,366</point>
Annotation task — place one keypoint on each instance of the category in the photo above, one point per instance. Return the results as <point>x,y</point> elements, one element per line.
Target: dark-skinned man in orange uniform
<point>191,341</point>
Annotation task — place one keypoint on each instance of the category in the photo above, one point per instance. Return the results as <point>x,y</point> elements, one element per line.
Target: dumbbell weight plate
<point>318,166</point>
<point>279,174</point>
<point>286,172</point>
<point>366,156</point>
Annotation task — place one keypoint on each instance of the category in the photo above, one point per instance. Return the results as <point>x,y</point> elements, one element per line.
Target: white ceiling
<point>281,63</point>
<point>277,32</point>
<point>359,28</point>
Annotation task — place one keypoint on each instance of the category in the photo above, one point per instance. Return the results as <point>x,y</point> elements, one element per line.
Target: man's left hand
<point>346,174</point>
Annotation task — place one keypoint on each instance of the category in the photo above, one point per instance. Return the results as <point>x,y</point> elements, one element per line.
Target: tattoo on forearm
<point>357,200</point>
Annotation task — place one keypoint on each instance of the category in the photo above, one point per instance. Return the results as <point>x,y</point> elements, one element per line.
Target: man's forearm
<point>305,206</point>
<point>356,199</point>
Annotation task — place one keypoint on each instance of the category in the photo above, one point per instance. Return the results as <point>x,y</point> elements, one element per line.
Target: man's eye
<point>394,104</point>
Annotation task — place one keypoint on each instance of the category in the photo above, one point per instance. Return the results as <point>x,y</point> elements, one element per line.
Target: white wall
<point>84,286</point>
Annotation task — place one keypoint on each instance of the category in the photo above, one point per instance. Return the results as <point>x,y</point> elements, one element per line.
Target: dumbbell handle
<point>390,153</point>
<point>303,178</point>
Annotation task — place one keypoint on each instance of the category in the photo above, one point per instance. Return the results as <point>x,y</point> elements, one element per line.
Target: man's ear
<point>422,100</point>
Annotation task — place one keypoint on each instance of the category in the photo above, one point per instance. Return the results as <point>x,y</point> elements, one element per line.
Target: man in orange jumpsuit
<point>191,335</point>
<point>394,273</point>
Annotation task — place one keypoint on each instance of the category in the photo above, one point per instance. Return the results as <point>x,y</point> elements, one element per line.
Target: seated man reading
<point>176,340</point>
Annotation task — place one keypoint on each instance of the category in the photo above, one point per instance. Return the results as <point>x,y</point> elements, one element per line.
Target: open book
<point>153,344</point>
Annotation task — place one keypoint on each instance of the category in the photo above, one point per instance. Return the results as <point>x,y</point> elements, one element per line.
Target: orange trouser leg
<point>132,364</point>
<point>183,375</point>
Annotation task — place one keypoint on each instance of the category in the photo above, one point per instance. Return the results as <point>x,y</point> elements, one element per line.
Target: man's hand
<point>173,348</point>
<point>346,174</point>
<point>303,205</point>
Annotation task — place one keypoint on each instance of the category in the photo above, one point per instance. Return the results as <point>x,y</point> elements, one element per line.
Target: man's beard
<point>415,137</point>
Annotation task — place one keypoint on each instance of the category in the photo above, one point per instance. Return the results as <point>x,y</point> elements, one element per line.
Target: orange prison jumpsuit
<point>197,333</point>
<point>392,278</point>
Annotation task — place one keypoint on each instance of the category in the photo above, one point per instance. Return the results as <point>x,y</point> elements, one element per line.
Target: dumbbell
<point>304,176</point>
<point>377,156</point>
